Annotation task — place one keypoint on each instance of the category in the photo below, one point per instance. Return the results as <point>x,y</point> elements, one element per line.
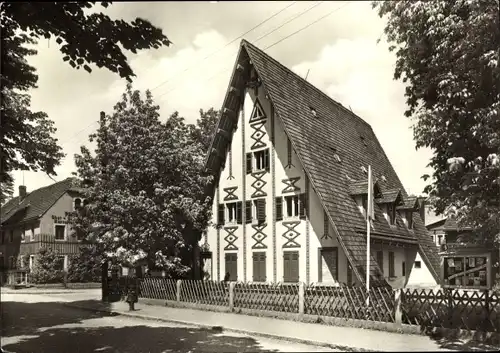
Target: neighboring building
<point>290,191</point>
<point>437,232</point>
<point>37,219</point>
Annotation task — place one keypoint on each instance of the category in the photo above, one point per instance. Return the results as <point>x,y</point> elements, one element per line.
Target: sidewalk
<point>330,336</point>
<point>50,291</point>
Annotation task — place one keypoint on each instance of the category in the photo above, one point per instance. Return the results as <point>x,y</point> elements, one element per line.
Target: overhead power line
<point>228,43</point>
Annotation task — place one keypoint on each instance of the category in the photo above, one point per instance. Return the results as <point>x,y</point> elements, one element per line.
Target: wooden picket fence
<point>469,310</point>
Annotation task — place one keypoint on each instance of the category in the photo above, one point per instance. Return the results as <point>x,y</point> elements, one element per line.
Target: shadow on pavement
<point>457,344</point>
<point>134,339</point>
<point>20,318</point>
<point>36,327</point>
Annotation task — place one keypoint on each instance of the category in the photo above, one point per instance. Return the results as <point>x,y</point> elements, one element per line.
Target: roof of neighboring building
<point>313,136</point>
<point>36,203</point>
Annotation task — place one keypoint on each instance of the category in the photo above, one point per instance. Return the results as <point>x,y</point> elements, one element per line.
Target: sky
<point>340,52</point>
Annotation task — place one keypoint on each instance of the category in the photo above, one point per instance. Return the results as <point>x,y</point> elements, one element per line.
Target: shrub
<point>85,267</point>
<point>48,267</point>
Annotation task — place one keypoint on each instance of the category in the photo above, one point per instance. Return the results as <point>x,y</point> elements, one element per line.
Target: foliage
<point>205,127</point>
<point>86,266</point>
<point>146,194</point>
<point>48,267</point>
<point>448,56</point>
<point>85,37</point>
<point>26,141</point>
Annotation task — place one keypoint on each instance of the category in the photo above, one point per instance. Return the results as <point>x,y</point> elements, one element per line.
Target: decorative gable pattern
<point>311,137</point>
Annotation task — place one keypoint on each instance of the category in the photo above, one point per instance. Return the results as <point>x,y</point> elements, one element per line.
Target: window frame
<point>261,157</point>
<point>295,206</point>
<point>65,231</point>
<point>419,264</point>
<point>229,206</point>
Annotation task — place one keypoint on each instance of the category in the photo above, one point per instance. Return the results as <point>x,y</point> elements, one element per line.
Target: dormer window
<point>391,213</point>
<point>409,219</point>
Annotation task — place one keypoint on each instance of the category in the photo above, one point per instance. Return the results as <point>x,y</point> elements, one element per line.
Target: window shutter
<point>261,210</point>
<point>248,212</point>
<point>266,160</point>
<point>279,208</point>
<point>302,206</point>
<point>286,267</point>
<point>239,212</point>
<point>220,217</point>
<point>262,266</point>
<point>294,273</point>
<point>255,267</point>
<point>249,163</point>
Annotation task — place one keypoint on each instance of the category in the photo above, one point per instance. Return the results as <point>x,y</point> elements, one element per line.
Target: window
<point>328,265</point>
<point>78,203</point>
<point>440,239</point>
<point>11,236</point>
<point>262,160</point>
<point>409,219</point>
<point>380,260</point>
<point>291,266</point>
<point>403,268</point>
<point>60,231</point>
<point>418,264</point>
<point>32,261</point>
<point>391,264</point>
<point>259,266</point>
<point>257,161</point>
<point>364,203</point>
<point>232,266</point>
<point>234,212</point>
<point>391,213</point>
<point>292,206</point>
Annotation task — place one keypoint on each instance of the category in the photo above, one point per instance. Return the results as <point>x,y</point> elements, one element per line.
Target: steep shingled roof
<point>312,136</point>
<point>36,203</point>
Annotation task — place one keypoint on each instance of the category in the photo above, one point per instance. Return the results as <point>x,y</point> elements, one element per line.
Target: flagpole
<point>369,208</point>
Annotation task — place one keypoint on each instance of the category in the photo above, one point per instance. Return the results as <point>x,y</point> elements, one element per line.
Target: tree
<point>85,39</point>
<point>448,56</point>
<point>146,195</point>
<point>48,267</point>
<point>86,266</point>
<point>205,127</point>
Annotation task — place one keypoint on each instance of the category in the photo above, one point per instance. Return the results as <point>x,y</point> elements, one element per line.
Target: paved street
<point>39,323</point>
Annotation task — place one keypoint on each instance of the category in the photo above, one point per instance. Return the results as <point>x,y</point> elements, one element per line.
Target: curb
<point>205,326</point>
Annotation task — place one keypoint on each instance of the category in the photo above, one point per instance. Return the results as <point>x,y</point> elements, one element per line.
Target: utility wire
<point>273,44</point>
<point>227,44</point>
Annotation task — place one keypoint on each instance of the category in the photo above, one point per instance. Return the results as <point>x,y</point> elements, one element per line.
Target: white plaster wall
<point>421,277</point>
<point>398,281</point>
<point>282,172</point>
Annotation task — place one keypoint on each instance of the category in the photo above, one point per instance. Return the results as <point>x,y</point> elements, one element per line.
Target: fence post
<point>178,291</point>
<point>301,299</point>
<point>398,297</point>
<point>231,296</point>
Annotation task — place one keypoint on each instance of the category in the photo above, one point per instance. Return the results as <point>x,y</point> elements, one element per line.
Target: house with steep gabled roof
<point>36,219</point>
<point>290,189</point>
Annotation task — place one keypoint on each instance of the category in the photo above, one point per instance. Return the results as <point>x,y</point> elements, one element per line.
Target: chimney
<point>423,209</point>
<point>22,192</point>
